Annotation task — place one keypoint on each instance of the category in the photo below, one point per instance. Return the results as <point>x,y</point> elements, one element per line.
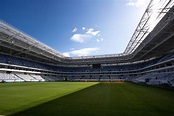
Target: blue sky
<point>76,27</point>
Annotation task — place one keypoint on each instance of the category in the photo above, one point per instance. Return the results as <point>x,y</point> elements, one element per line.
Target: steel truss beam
<point>153,14</point>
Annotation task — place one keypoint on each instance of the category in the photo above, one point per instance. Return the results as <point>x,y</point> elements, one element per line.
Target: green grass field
<point>85,99</point>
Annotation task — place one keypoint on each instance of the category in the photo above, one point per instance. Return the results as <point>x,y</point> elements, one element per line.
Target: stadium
<point>38,80</point>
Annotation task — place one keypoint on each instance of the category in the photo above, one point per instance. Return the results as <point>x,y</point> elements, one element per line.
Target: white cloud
<point>92,32</point>
<point>136,3</point>
<point>81,52</point>
<point>100,39</point>
<point>66,54</point>
<point>74,30</point>
<point>83,28</point>
<point>80,38</point>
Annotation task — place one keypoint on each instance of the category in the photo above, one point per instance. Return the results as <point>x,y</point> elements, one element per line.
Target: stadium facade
<point>148,58</point>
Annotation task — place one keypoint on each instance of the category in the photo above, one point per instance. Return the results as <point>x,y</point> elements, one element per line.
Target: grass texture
<point>15,97</point>
<point>85,99</point>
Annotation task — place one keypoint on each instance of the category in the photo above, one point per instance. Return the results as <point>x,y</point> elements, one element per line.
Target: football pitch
<point>85,99</point>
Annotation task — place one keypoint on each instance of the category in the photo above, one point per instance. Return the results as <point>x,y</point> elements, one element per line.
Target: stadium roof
<point>152,38</point>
